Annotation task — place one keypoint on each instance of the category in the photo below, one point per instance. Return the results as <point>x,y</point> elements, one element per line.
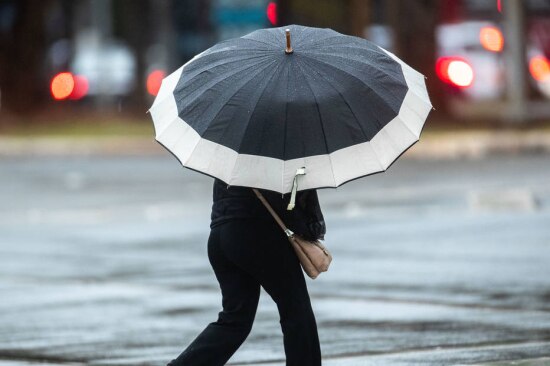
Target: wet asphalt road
<point>103,262</point>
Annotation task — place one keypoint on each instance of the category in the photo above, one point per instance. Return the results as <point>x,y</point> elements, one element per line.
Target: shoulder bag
<point>313,255</point>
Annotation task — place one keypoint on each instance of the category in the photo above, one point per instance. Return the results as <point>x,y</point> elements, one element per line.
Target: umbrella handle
<point>288,49</point>
<point>299,171</point>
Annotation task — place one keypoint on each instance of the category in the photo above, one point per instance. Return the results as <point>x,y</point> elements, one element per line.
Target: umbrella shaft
<point>288,46</point>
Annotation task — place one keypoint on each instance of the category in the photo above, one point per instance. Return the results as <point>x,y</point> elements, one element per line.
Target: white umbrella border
<point>322,171</point>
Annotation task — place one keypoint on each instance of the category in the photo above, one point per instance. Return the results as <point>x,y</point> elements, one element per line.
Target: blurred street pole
<point>516,75</point>
<point>137,31</point>
<point>414,23</point>
<point>360,14</point>
<point>22,56</point>
<point>165,38</point>
<point>101,18</point>
<point>283,12</point>
<point>335,14</point>
<point>102,26</point>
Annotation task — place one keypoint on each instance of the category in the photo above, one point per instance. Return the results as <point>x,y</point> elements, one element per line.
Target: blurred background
<point>486,60</point>
<point>441,260</point>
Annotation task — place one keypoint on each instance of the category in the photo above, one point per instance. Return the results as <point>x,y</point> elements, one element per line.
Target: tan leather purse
<point>313,255</point>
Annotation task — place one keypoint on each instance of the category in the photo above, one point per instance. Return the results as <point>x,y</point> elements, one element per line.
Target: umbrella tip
<point>288,49</point>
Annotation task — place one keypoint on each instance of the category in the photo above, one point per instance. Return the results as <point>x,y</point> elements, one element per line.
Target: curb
<point>478,144</point>
<point>432,145</point>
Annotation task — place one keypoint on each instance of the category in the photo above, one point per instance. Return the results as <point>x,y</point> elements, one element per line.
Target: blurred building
<point>494,56</point>
<point>477,54</point>
<point>106,53</point>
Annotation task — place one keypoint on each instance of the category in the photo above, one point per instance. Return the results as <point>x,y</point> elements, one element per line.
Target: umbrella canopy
<point>251,113</point>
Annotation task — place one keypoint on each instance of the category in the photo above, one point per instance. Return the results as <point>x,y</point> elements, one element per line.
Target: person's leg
<point>269,257</point>
<point>240,295</point>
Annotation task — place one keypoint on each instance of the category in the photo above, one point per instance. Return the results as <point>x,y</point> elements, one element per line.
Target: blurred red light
<point>441,66</point>
<point>154,80</point>
<point>455,71</point>
<point>539,67</point>
<point>272,13</point>
<point>62,85</point>
<point>81,87</point>
<point>491,39</point>
<point>460,73</point>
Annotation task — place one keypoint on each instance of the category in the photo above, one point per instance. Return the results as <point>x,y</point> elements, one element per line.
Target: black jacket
<point>233,202</point>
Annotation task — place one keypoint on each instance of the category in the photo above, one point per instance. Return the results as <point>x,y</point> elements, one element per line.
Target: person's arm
<point>307,216</point>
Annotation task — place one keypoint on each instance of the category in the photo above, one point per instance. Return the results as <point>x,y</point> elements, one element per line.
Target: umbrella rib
<point>320,121</point>
<point>232,50</point>
<point>354,60</point>
<point>229,46</point>
<point>377,50</point>
<point>351,110</point>
<point>367,140</point>
<point>235,47</point>
<point>211,84</point>
<point>361,81</point>
<point>253,111</point>
<point>318,44</point>
<point>359,124</point>
<point>201,138</point>
<point>382,99</point>
<point>410,87</point>
<point>255,40</point>
<point>219,111</point>
<point>345,101</point>
<point>322,40</point>
<point>351,42</point>
<point>173,93</point>
<point>256,105</point>
<point>284,132</point>
<point>357,121</point>
<point>273,36</point>
<point>233,94</point>
<point>224,62</point>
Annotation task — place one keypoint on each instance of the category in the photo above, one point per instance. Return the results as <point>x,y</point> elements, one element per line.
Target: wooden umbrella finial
<point>288,49</point>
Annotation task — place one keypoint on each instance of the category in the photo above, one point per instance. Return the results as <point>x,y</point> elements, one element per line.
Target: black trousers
<point>246,254</point>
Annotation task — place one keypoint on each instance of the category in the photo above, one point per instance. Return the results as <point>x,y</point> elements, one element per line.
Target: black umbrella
<point>251,111</point>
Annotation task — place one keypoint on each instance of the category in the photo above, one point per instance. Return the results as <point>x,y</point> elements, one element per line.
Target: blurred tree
<point>320,13</point>
<point>132,22</point>
<point>23,52</point>
<point>516,70</point>
<point>283,12</point>
<point>360,16</point>
<point>194,31</point>
<point>414,23</point>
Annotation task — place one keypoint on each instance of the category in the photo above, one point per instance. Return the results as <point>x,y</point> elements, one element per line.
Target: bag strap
<point>287,231</point>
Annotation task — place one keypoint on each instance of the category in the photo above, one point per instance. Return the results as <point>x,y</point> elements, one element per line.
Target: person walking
<point>254,113</point>
<point>248,250</point>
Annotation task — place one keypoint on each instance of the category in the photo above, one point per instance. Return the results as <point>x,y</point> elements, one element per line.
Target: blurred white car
<point>109,66</point>
<point>91,67</point>
<point>470,60</point>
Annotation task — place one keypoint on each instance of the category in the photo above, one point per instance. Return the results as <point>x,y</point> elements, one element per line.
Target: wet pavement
<point>103,262</point>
